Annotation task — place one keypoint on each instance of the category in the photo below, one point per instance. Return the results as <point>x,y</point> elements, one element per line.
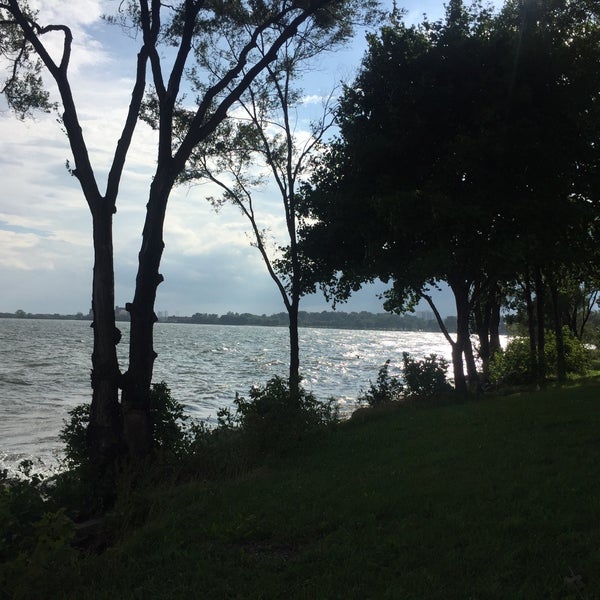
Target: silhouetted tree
<point>468,152</point>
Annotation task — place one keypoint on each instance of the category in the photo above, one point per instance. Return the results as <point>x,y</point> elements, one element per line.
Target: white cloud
<point>314,99</point>
<point>82,12</point>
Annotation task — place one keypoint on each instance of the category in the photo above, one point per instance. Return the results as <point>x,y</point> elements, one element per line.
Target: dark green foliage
<point>467,153</point>
<point>35,535</point>
<point>169,421</point>
<point>577,356</point>
<point>386,389</point>
<point>425,379</point>
<point>272,418</point>
<point>169,427</point>
<point>73,436</point>
<point>21,505</point>
<point>513,364</point>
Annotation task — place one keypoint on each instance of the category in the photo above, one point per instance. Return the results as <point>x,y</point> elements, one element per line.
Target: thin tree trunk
<point>104,429</point>
<point>460,384</point>
<point>533,363</point>
<point>463,339</point>
<point>482,316</point>
<point>294,351</point>
<point>470,360</point>
<point>561,363</point>
<point>487,321</point>
<point>541,328</point>
<point>495,345</point>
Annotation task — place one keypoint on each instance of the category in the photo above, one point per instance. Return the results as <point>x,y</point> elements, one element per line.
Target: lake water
<point>45,367</point>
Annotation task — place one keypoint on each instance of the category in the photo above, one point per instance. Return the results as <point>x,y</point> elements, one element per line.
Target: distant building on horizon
<point>426,315</point>
<point>121,312</point>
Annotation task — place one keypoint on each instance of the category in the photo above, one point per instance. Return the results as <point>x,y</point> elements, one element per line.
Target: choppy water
<point>45,366</point>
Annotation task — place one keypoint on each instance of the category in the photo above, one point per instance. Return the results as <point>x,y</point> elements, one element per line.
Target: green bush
<point>170,428</point>
<point>73,436</point>
<point>21,506</point>
<point>386,389</point>
<point>35,535</point>
<point>273,417</point>
<point>170,424</point>
<point>425,379</point>
<point>577,357</point>
<point>513,364</point>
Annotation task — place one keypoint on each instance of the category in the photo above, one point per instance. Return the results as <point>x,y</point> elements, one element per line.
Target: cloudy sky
<point>45,226</point>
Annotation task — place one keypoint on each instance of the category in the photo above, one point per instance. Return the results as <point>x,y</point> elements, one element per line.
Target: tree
<point>192,33</point>
<point>387,197</point>
<point>261,142</point>
<point>447,166</point>
<point>263,139</point>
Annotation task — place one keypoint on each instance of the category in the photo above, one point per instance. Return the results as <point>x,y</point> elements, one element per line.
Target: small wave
<point>14,380</point>
<point>37,364</point>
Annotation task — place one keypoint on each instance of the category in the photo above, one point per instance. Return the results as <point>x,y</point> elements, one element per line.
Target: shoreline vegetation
<point>491,498</point>
<point>323,320</point>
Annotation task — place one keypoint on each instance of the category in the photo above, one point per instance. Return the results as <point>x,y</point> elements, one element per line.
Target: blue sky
<point>45,226</point>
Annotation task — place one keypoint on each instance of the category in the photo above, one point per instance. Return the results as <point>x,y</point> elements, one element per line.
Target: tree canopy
<point>468,149</point>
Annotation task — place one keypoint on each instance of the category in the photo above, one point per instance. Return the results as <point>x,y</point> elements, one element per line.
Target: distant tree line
<point>21,314</point>
<point>323,319</point>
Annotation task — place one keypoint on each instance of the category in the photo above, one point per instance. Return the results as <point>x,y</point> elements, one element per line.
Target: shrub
<point>21,506</point>
<point>387,389</point>
<point>513,364</point>
<point>425,379</point>
<point>577,357</point>
<point>35,535</point>
<point>169,427</point>
<point>73,436</point>
<point>273,418</point>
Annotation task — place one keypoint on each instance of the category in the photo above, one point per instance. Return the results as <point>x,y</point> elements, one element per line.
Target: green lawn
<point>498,498</point>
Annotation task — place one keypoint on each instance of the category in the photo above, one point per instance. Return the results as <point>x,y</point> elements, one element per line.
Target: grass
<point>498,498</point>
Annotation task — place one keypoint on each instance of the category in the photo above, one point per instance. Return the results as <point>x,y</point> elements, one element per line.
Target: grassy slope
<point>495,499</point>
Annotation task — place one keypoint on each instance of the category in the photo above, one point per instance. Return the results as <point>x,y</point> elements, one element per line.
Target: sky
<point>45,226</point>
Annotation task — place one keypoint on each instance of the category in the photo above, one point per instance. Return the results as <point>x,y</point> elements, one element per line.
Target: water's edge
<point>45,366</point>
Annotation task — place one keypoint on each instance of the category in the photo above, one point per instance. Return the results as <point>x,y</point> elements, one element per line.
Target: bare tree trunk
<point>471,365</point>
<point>482,323</point>
<point>137,426</point>
<point>104,429</point>
<point>460,383</point>
<point>531,322</point>
<point>463,340</point>
<point>487,322</point>
<point>561,363</point>
<point>541,327</point>
<point>294,351</point>
<point>495,345</point>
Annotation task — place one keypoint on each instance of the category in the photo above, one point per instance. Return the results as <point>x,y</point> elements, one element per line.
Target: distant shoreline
<point>323,320</point>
